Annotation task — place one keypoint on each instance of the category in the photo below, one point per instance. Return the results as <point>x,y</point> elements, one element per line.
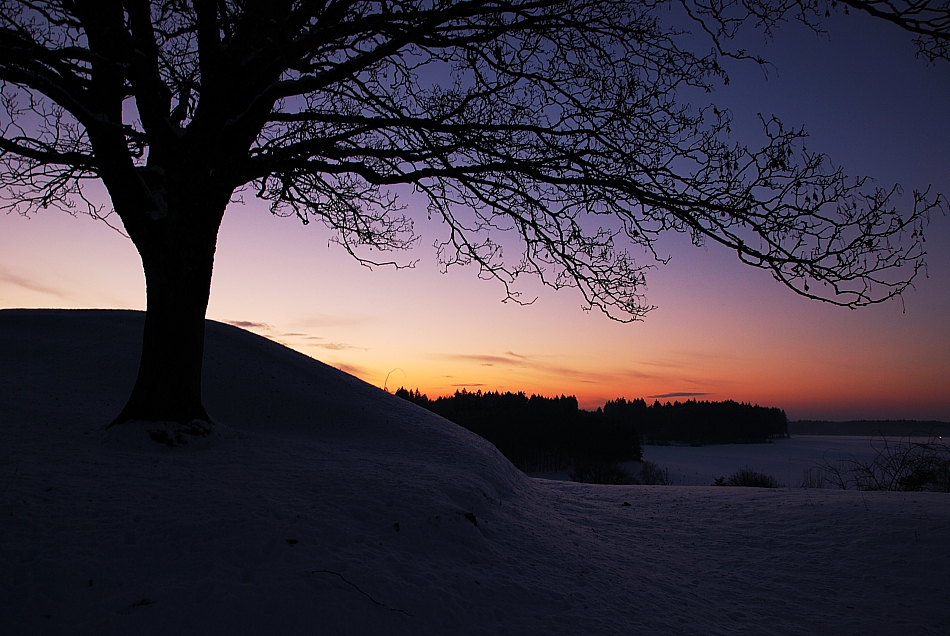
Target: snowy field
<point>784,459</point>
<point>325,506</point>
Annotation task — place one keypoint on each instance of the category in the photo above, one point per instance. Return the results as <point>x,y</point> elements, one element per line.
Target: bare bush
<point>748,478</point>
<point>818,477</point>
<point>652,475</point>
<point>904,465</point>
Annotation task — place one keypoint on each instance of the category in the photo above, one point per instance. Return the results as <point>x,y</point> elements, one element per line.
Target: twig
<point>357,588</point>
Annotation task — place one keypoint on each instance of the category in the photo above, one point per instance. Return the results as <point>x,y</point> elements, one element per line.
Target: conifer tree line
<point>537,433</point>
<point>699,422</point>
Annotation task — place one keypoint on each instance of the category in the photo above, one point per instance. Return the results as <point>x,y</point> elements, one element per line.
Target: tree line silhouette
<point>537,433</point>
<point>699,422</point>
<point>540,433</point>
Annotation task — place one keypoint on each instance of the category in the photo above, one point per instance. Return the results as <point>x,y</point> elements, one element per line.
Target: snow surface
<point>785,459</point>
<point>286,523</point>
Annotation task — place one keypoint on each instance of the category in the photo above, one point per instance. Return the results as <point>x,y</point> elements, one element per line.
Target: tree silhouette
<point>927,20</point>
<point>538,433</point>
<point>559,122</point>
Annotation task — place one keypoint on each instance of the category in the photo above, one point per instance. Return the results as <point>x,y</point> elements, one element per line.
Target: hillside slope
<point>330,507</point>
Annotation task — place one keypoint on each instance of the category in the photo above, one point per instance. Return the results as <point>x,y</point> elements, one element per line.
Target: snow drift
<point>328,506</point>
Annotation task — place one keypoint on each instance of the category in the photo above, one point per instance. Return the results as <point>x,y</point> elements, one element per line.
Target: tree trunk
<point>177,255</point>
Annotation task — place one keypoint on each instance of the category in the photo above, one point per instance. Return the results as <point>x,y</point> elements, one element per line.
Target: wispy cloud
<point>470,384</point>
<point>28,283</point>
<point>335,346</point>
<point>247,324</point>
<point>663,364</point>
<point>297,335</point>
<point>678,394</point>
<point>542,365</point>
<point>359,372</point>
<point>507,358</point>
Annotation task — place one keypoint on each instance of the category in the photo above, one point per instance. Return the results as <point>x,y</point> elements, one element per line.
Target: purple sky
<point>722,330</point>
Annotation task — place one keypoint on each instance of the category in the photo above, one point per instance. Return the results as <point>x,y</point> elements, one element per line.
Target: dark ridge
<point>891,428</point>
<point>539,433</point>
<point>699,423</point>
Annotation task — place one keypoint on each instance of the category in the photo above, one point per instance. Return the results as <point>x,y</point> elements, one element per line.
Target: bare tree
<point>927,20</point>
<point>906,464</point>
<point>561,122</point>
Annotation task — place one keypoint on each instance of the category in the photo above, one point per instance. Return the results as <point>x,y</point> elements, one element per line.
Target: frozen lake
<point>784,459</point>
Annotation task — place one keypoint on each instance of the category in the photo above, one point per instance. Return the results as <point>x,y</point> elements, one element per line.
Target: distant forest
<point>895,428</point>
<point>699,423</point>
<point>538,433</point>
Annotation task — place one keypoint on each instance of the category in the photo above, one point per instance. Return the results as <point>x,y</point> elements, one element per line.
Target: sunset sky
<point>721,330</point>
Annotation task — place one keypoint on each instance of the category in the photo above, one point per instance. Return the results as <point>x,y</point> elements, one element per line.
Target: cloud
<point>247,324</point>
<point>678,394</point>
<point>30,284</point>
<point>508,358</point>
<point>664,364</point>
<point>537,363</point>
<point>471,384</point>
<point>335,346</point>
<point>359,372</point>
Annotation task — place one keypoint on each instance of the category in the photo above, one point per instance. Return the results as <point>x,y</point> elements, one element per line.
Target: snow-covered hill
<point>330,507</point>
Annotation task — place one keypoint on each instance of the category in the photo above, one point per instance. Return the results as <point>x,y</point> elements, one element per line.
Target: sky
<point>721,330</point>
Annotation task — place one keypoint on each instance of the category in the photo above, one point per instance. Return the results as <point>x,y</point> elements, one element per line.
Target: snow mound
<point>328,506</point>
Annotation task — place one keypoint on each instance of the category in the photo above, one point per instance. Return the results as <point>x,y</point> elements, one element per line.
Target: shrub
<point>748,478</point>
<point>652,475</point>
<point>905,465</point>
